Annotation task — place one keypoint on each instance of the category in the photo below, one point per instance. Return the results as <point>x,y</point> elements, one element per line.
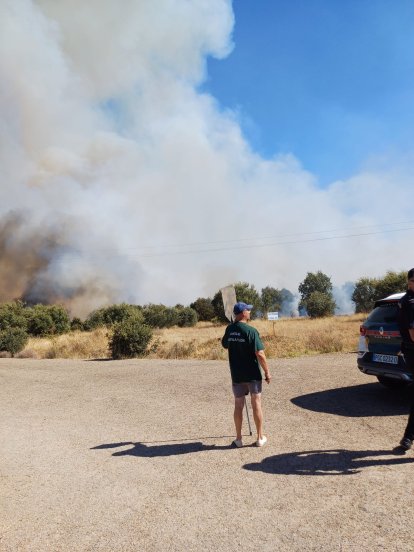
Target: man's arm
<point>411,333</point>
<point>224,340</point>
<point>261,357</point>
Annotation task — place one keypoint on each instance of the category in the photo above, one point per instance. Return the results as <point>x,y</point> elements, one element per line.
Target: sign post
<point>273,316</point>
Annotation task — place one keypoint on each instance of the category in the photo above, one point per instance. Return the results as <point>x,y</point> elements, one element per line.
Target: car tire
<point>392,383</point>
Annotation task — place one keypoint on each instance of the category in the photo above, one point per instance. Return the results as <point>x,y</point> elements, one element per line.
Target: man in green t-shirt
<point>246,355</point>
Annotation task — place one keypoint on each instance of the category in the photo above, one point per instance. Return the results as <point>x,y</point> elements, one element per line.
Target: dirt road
<point>134,456</point>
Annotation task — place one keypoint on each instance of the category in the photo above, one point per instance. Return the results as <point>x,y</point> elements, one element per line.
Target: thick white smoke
<point>121,181</point>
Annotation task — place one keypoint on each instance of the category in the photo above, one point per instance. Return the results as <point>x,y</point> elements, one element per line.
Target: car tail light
<point>362,330</point>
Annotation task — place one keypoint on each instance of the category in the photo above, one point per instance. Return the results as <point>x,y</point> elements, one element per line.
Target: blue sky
<point>330,81</point>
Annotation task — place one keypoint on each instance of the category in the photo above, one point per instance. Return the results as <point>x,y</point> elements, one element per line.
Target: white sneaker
<point>237,443</point>
<point>261,442</point>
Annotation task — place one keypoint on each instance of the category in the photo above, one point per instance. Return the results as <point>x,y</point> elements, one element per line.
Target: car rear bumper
<point>397,372</point>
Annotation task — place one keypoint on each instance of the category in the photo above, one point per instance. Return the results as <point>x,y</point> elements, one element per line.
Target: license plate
<point>388,359</point>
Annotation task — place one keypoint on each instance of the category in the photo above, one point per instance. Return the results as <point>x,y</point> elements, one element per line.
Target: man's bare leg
<point>238,416</point>
<point>256,399</point>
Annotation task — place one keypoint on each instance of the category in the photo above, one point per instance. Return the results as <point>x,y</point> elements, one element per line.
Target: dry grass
<point>73,345</point>
<point>288,337</point>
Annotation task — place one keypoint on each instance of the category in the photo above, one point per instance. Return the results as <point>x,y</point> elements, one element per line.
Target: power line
<point>261,238</point>
<point>252,246</point>
<point>233,245</point>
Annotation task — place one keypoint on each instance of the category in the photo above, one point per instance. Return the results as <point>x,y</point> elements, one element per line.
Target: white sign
<point>228,295</point>
<point>273,316</point>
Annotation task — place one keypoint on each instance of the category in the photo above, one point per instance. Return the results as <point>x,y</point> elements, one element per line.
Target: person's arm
<point>411,333</point>
<point>261,357</point>
<point>224,340</point>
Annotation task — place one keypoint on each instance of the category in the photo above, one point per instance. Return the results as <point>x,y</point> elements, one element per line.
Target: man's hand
<point>261,357</point>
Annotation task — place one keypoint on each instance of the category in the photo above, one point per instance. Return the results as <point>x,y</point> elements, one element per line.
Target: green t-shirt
<point>242,342</point>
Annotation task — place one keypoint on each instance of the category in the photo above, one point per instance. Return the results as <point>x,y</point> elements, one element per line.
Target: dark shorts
<point>242,389</point>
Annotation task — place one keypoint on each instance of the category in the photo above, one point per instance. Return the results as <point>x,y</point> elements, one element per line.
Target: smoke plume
<point>123,181</point>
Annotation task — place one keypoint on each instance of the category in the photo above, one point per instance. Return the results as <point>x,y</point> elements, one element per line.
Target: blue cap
<point>240,307</point>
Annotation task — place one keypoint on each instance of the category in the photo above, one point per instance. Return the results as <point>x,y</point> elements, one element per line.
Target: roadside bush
<point>43,320</point>
<point>114,314</point>
<point>13,315</point>
<point>13,340</point>
<point>129,339</point>
<point>204,309</point>
<point>60,317</point>
<point>40,322</point>
<point>77,325</point>
<point>187,317</point>
<point>160,316</point>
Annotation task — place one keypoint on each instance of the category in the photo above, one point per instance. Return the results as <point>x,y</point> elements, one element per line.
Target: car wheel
<point>392,383</point>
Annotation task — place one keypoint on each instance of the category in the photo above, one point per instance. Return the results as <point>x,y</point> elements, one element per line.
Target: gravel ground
<point>134,456</point>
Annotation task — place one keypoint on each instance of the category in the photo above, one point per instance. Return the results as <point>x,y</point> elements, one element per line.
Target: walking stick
<point>248,419</point>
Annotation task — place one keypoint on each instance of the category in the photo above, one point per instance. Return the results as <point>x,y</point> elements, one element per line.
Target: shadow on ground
<point>171,449</point>
<point>326,462</point>
<point>370,399</point>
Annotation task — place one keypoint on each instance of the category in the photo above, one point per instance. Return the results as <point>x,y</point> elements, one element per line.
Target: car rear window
<point>385,314</point>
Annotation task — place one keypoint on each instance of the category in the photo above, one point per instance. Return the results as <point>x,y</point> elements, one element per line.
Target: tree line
<point>130,326</point>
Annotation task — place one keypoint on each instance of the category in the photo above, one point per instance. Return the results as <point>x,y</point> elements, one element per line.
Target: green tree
<point>60,318</point>
<point>204,309</point>
<point>218,307</point>
<point>113,314</point>
<point>314,282</point>
<point>392,282</point>
<point>369,290</point>
<point>77,325</point>
<point>365,294</point>
<point>160,316</point>
<point>40,322</point>
<point>13,340</point>
<point>13,315</point>
<point>187,317</point>
<point>270,300</point>
<point>244,292</point>
<point>320,283</point>
<point>319,304</point>
<point>45,320</point>
<point>129,339</point>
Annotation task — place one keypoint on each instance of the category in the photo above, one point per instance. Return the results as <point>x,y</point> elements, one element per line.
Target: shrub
<point>13,340</point>
<point>40,322</point>
<point>160,316</point>
<point>60,318</point>
<point>77,325</point>
<point>204,309</point>
<point>114,314</point>
<point>44,320</point>
<point>129,339</point>
<point>187,317</point>
<point>13,315</point>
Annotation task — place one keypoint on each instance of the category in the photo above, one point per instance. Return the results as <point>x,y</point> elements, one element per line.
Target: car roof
<point>395,296</point>
<point>389,299</point>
